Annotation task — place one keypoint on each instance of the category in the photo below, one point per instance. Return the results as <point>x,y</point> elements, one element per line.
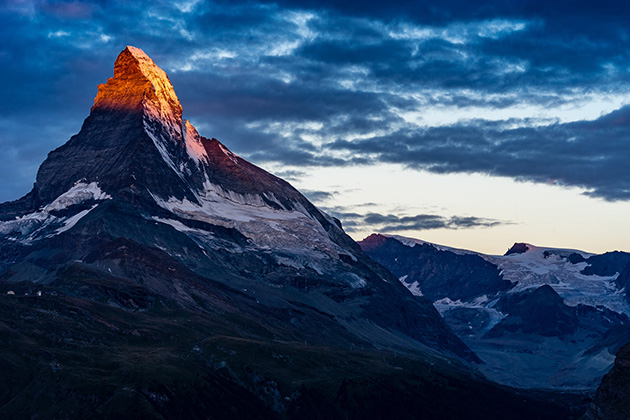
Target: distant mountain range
<point>153,273</point>
<point>537,317</point>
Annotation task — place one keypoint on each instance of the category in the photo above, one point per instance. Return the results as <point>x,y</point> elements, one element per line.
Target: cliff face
<point>612,401</point>
<point>133,141</point>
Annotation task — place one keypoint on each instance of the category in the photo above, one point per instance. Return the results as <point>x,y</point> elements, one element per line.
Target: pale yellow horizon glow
<point>543,215</point>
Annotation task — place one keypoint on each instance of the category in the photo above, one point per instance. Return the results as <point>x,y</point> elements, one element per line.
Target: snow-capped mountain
<point>137,171</point>
<point>151,271</point>
<point>538,317</point>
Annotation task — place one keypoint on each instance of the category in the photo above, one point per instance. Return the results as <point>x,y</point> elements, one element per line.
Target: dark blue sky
<point>530,90</point>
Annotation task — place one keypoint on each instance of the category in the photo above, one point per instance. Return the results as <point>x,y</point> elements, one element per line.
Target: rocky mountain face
<point>136,169</point>
<point>152,273</point>
<point>538,317</point>
<point>612,264</point>
<point>612,401</point>
<point>438,274</point>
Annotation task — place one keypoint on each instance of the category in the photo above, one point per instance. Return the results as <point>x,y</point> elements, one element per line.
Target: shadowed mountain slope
<point>152,273</point>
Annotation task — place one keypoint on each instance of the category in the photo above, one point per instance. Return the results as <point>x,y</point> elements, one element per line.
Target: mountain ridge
<point>538,316</point>
<point>219,215</point>
<point>151,272</point>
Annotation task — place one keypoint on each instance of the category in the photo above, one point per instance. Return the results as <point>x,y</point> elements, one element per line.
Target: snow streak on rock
<point>33,226</point>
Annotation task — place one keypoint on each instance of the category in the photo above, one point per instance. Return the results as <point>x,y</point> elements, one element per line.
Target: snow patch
<point>224,207</point>
<point>215,208</point>
<point>481,303</point>
<point>354,281</point>
<point>71,221</point>
<point>265,221</point>
<point>79,193</point>
<point>194,147</point>
<point>539,266</point>
<point>33,226</point>
<point>414,288</point>
<point>179,226</point>
<point>548,266</point>
<point>411,242</point>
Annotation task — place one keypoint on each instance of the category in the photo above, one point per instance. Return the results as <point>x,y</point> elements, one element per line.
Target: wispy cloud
<point>588,154</point>
<point>388,223</point>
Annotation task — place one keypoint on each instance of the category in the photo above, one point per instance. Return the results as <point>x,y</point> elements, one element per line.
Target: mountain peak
<point>137,52</point>
<point>139,85</point>
<point>518,248</point>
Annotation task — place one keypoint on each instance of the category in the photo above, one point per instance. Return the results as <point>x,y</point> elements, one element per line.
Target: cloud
<point>290,174</point>
<point>305,83</point>
<point>387,222</point>
<point>586,154</point>
<point>318,196</point>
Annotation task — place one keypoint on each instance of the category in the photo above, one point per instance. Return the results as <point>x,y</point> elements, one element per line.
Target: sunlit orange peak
<point>139,85</point>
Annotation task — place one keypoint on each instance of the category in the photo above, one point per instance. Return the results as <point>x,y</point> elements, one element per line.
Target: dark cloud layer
<point>592,155</point>
<point>329,83</point>
<point>391,223</point>
<point>318,196</point>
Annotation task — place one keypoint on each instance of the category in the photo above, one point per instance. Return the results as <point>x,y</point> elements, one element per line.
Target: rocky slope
<point>138,173</point>
<point>153,273</point>
<point>538,317</point>
<point>612,401</point>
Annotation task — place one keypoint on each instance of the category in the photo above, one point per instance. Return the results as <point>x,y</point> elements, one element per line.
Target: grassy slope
<point>123,352</point>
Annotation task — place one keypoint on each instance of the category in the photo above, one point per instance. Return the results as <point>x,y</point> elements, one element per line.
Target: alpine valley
<point>152,273</point>
<point>537,317</point>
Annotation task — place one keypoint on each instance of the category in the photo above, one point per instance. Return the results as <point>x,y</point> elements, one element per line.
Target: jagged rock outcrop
<point>517,248</point>
<point>612,401</point>
<point>438,274</point>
